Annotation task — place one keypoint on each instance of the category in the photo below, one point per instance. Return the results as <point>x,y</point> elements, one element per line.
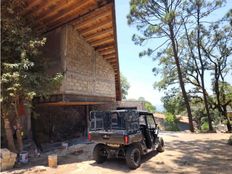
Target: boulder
<point>7,159</point>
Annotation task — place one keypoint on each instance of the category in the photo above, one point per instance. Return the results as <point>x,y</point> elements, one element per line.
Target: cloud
<point>144,90</point>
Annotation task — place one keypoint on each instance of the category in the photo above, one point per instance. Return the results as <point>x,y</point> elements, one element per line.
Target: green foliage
<point>171,122</point>
<point>205,127</point>
<point>149,107</point>
<point>173,101</point>
<point>124,86</point>
<point>23,65</point>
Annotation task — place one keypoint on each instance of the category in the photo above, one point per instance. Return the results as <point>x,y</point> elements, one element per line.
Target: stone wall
<point>86,73</point>
<point>85,70</point>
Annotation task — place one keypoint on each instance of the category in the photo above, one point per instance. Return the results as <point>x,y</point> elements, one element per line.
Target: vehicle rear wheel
<point>160,148</point>
<point>133,157</point>
<point>100,153</point>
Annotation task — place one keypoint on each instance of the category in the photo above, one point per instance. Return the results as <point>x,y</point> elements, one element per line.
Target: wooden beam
<point>109,55</point>
<point>32,5</point>
<point>93,16</point>
<point>70,103</point>
<point>104,47</point>
<point>79,10</point>
<point>102,41</point>
<point>113,58</point>
<point>100,25</point>
<point>74,12</point>
<point>57,11</point>
<point>117,85</point>
<point>99,34</point>
<point>107,52</point>
<point>46,8</point>
<point>112,61</point>
<point>66,12</point>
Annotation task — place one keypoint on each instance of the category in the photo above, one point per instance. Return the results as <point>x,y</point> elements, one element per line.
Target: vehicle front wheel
<point>133,157</point>
<point>160,147</point>
<point>100,153</point>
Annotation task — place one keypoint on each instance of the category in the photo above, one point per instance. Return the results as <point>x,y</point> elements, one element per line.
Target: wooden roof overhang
<point>93,19</point>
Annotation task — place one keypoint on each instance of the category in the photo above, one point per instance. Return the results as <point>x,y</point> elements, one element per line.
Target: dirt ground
<point>184,153</point>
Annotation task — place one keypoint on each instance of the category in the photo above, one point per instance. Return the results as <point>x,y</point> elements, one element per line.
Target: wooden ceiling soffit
<point>109,39</point>
<point>32,5</point>
<point>107,52</point>
<point>94,16</point>
<point>99,26</point>
<point>112,61</point>
<point>109,56</point>
<point>105,47</point>
<point>99,34</point>
<point>57,11</point>
<point>93,19</point>
<point>70,12</point>
<point>41,8</point>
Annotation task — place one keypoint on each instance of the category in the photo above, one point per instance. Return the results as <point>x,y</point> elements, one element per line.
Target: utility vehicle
<point>125,134</point>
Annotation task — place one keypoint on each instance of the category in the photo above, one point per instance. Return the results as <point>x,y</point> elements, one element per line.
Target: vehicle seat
<point>147,135</point>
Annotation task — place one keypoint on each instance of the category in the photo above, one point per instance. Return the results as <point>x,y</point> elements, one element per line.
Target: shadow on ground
<point>120,164</point>
<point>184,153</point>
<point>203,156</point>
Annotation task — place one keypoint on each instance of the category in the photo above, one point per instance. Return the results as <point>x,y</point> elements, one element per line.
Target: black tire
<point>160,148</point>
<point>133,157</point>
<point>100,153</point>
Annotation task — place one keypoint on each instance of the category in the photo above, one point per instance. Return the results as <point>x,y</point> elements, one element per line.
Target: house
<point>82,44</point>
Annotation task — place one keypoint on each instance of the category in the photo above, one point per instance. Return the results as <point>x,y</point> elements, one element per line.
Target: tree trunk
<point>206,105</point>
<point>18,126</point>
<point>202,69</point>
<point>172,37</point>
<point>19,135</point>
<point>229,128</point>
<point>9,134</point>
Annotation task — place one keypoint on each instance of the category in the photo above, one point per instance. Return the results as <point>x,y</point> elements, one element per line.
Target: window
<point>114,119</point>
<point>96,121</point>
<point>151,121</point>
<point>142,120</point>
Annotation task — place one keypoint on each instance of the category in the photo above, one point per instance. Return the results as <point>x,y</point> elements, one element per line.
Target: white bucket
<point>64,145</point>
<point>23,157</point>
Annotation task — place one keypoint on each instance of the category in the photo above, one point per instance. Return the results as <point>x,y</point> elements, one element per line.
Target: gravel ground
<point>184,153</point>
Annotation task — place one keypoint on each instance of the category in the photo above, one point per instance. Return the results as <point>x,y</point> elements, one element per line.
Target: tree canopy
<point>23,66</point>
<point>194,49</point>
<point>124,86</point>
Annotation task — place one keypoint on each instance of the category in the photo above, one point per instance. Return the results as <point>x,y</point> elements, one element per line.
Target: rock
<point>7,159</point>
<point>159,162</point>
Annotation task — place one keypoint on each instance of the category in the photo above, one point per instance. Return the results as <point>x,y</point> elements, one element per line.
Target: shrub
<point>171,122</point>
<point>230,140</point>
<point>205,127</point>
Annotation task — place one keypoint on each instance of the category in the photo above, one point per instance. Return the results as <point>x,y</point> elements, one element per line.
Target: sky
<point>138,71</point>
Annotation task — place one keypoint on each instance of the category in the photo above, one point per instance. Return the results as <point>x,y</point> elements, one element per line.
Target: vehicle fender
<point>138,145</point>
